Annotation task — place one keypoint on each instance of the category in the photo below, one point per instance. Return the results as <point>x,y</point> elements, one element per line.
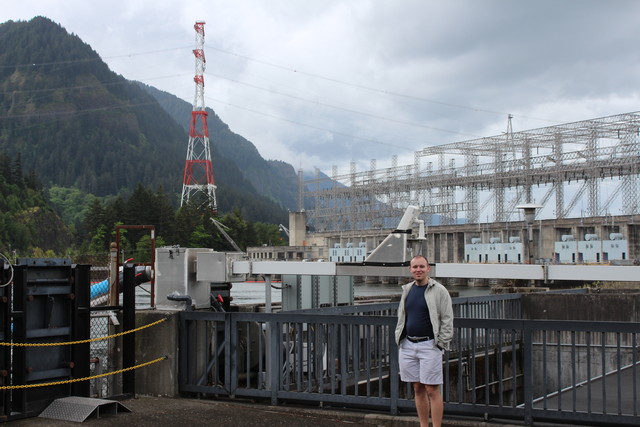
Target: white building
<point>348,254</point>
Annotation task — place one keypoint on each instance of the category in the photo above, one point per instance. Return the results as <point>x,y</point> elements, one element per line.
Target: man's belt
<point>418,339</point>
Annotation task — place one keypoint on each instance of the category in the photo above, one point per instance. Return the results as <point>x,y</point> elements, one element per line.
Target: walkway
<point>155,411</point>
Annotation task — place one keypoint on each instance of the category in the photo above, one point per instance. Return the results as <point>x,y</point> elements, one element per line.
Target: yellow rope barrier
<point>75,380</point>
<point>52,344</point>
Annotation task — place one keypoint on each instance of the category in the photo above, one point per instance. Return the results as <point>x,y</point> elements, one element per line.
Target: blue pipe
<point>99,288</point>
<point>143,275</point>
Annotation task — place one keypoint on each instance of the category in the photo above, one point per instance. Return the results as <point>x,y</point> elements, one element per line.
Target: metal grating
<point>78,409</point>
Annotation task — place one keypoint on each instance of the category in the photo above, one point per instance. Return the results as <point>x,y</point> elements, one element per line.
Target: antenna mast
<point>198,172</point>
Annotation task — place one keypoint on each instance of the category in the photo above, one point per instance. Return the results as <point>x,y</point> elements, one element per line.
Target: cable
<point>282,67</point>
<point>75,380</point>
<point>371,89</point>
<point>375,116</point>
<point>76,112</point>
<point>11,268</point>
<point>72,61</point>
<point>97,58</point>
<point>312,126</point>
<point>98,85</point>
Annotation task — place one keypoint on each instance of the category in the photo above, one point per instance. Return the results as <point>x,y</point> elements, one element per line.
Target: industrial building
<point>583,177</point>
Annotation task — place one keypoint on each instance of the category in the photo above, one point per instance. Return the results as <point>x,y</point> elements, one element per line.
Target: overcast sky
<point>323,83</point>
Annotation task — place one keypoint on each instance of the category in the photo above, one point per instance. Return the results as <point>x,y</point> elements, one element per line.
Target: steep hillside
<point>271,178</point>
<point>82,126</point>
<point>79,124</point>
<point>26,221</point>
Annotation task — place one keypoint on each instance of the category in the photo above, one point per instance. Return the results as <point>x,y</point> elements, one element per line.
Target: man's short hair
<point>419,256</point>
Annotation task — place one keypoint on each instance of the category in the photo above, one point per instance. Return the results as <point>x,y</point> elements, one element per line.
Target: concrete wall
<point>569,350</point>
<point>158,379</point>
<point>618,306</point>
<point>297,228</point>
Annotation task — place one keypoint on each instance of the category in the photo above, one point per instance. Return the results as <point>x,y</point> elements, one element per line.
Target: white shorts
<point>420,362</point>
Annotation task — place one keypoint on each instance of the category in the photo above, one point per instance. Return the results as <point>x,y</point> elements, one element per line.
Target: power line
<point>98,84</point>
<point>285,68</point>
<point>64,88</point>
<point>149,52</point>
<point>311,126</point>
<point>58,116</point>
<point>368,88</point>
<point>40,64</point>
<point>97,58</point>
<point>75,112</point>
<point>375,116</point>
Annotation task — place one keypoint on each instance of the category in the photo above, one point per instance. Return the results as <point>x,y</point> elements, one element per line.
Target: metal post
<point>19,333</point>
<point>129,323</point>
<point>529,244</point>
<point>528,373</point>
<point>230,363</point>
<point>81,329</point>
<point>267,293</point>
<point>113,274</point>
<point>267,309</point>
<point>274,367</point>
<point>113,346</point>
<point>394,376</point>
<point>529,210</point>
<point>5,353</point>
<point>184,339</point>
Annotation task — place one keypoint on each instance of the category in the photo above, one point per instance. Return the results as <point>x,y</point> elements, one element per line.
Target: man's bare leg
<point>422,403</point>
<point>436,403</point>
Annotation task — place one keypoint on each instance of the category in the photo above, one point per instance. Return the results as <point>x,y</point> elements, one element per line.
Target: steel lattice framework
<point>497,174</point>
<point>198,171</point>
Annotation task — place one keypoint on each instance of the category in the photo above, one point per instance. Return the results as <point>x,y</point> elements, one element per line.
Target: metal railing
<point>510,368</point>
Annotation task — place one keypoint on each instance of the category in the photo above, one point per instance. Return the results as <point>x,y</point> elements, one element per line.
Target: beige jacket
<point>440,311</point>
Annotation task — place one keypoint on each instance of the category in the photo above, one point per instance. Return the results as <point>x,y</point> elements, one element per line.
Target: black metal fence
<point>500,366</point>
<point>45,304</point>
<point>54,342</point>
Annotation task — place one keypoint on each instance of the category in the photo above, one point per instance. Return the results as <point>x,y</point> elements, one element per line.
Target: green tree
<point>143,247</point>
<point>96,245</point>
<point>238,229</point>
<point>188,218</point>
<point>268,234</point>
<point>200,238</point>
<point>126,248</point>
<point>72,204</point>
<point>16,170</point>
<point>94,228</point>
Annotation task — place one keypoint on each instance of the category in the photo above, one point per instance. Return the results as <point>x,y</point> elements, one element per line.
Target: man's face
<point>419,269</point>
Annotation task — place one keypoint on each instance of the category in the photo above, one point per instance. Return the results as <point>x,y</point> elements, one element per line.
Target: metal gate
<point>46,306</point>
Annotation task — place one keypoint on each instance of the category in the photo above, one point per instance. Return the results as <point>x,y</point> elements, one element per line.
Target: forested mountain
<point>25,219</point>
<point>274,179</point>
<point>76,122</point>
<point>81,126</point>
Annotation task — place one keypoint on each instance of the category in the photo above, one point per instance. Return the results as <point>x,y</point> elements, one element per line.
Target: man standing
<point>423,332</point>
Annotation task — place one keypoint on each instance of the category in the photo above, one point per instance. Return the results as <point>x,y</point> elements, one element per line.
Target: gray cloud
<point>324,83</point>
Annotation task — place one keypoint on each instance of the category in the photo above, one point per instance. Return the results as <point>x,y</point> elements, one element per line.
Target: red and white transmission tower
<point>198,173</point>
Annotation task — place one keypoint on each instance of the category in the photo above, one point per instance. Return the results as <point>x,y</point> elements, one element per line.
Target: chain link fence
<point>106,355</point>
<point>104,322</point>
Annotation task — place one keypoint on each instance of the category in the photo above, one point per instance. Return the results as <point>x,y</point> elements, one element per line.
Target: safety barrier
<point>505,368</point>
<point>75,380</point>
<point>45,303</point>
